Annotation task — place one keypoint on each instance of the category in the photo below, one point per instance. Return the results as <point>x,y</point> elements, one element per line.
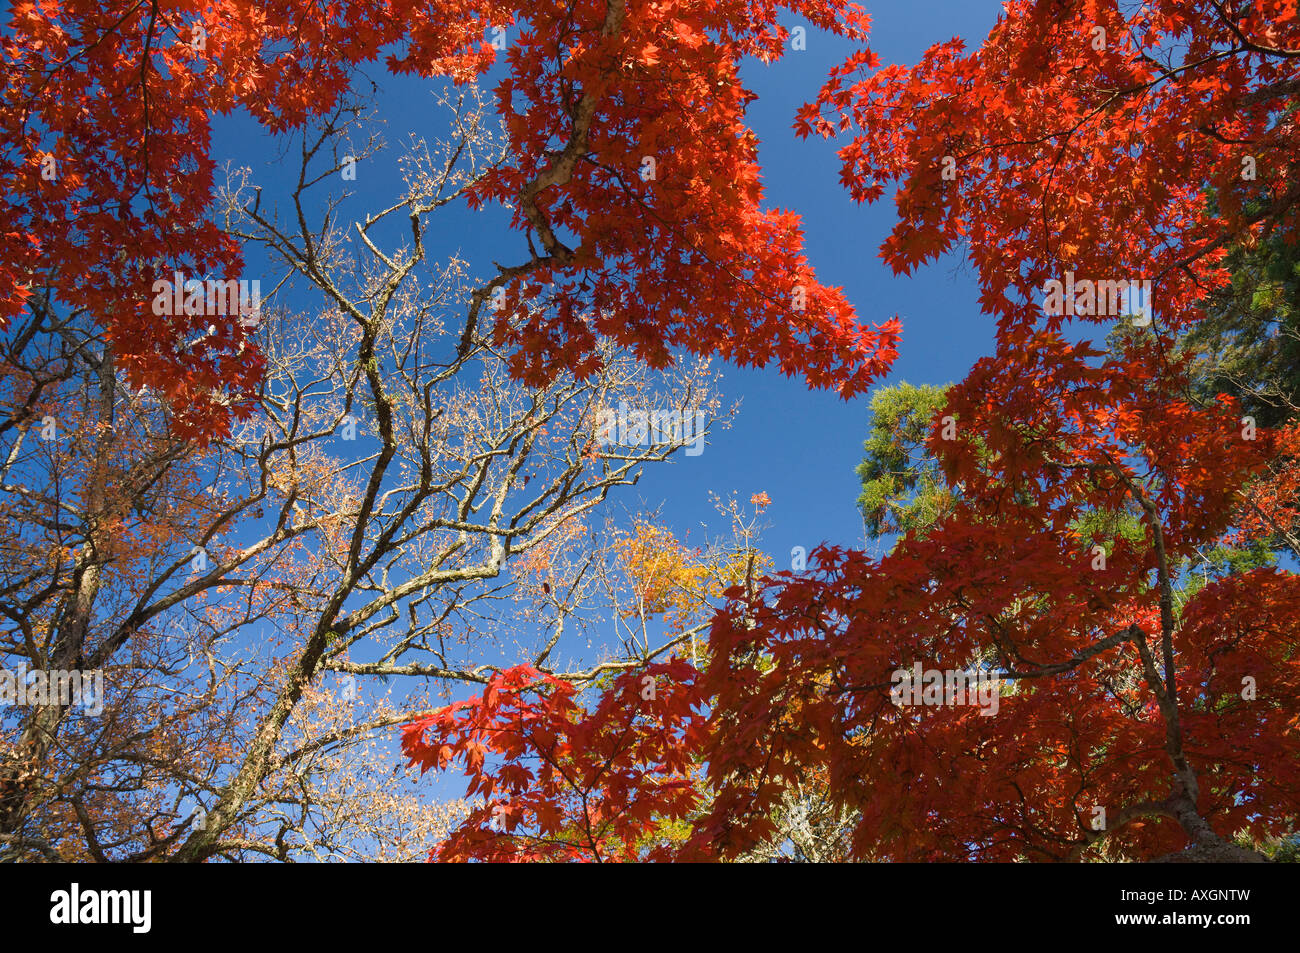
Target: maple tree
<point>1148,714</point>
<point>1112,146</point>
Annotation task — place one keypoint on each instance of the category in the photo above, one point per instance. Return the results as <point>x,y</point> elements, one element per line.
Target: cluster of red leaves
<point>561,783</point>
<point>1271,505</point>
<point>120,96</point>
<point>1069,429</point>
<point>948,782</point>
<point>800,687</point>
<point>678,253</point>
<point>1067,155</point>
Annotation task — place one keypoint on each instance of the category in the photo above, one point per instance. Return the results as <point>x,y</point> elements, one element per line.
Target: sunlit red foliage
<point>106,133</point>
<point>561,783</point>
